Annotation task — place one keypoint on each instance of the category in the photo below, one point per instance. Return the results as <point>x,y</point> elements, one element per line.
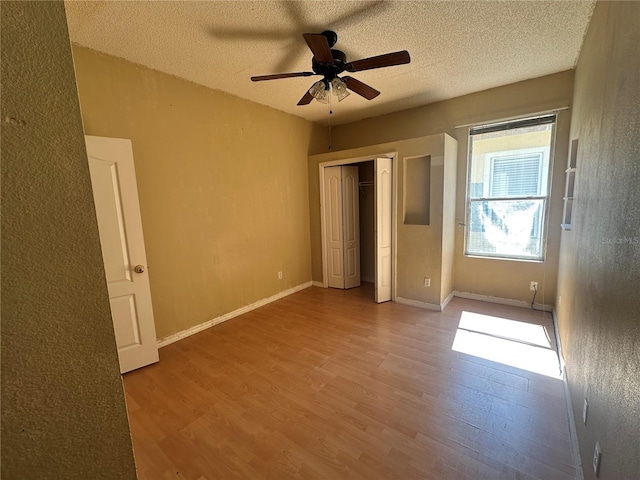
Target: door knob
<point>138,269</point>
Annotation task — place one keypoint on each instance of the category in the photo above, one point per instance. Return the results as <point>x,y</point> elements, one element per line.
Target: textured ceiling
<point>456,47</point>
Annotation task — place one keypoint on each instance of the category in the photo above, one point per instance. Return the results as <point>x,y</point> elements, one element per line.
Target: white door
<point>333,215</point>
<point>342,226</point>
<point>115,194</point>
<point>351,226</point>
<point>383,228</point>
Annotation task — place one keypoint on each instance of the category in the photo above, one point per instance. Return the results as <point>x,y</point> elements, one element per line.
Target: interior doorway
<point>376,224</point>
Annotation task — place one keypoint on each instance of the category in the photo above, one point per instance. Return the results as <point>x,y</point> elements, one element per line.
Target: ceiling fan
<point>330,63</point>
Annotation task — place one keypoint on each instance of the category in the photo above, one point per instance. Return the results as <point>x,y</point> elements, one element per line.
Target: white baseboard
<point>444,304</point>
<point>428,306</point>
<point>575,447</point>
<point>503,301</point>
<point>416,303</point>
<point>228,316</point>
<point>556,334</point>
<point>573,435</point>
<point>317,284</point>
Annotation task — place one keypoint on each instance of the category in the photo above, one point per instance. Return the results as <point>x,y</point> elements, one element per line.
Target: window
<point>508,188</point>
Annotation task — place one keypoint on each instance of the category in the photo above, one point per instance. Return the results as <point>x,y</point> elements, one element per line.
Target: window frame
<point>551,119</point>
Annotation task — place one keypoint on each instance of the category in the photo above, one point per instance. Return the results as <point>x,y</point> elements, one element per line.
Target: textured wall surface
<point>63,410</point>
<point>599,282</point>
<point>497,278</point>
<point>222,185</point>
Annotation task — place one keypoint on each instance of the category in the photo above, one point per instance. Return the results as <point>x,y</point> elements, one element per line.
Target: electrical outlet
<point>427,282</point>
<point>533,286</point>
<point>280,275</point>
<point>597,456</point>
<point>585,409</point>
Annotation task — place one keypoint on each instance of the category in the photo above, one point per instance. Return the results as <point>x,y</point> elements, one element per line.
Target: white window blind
<point>516,176</point>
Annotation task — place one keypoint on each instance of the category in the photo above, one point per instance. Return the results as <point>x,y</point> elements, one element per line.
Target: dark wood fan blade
<point>380,61</point>
<point>306,99</point>
<point>319,46</point>
<point>360,88</point>
<point>276,76</point>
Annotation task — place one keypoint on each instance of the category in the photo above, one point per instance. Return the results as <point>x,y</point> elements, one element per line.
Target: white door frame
<point>350,161</point>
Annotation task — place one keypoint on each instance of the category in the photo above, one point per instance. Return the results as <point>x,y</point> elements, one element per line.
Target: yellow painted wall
<point>598,305</point>
<point>63,407</point>
<point>222,184</point>
<point>490,277</point>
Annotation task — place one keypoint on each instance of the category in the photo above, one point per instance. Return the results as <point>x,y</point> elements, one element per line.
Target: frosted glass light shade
<point>339,89</point>
<point>320,91</point>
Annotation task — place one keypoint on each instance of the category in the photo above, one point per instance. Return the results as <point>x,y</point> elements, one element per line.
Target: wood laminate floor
<point>326,384</point>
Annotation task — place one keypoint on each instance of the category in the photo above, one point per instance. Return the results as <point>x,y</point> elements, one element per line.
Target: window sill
<point>509,259</point>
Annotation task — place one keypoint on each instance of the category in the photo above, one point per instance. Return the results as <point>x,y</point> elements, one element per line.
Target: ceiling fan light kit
<point>329,63</point>
<point>323,88</point>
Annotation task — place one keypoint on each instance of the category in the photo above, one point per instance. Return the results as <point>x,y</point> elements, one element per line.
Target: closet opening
<point>357,219</point>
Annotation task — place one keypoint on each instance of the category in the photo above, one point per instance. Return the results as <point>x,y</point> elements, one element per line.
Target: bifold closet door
<point>342,226</point>
<point>384,221</point>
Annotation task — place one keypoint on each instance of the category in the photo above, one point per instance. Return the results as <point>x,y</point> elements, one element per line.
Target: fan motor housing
<point>330,70</point>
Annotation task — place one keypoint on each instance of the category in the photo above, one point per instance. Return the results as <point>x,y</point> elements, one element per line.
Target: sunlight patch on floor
<point>518,344</point>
